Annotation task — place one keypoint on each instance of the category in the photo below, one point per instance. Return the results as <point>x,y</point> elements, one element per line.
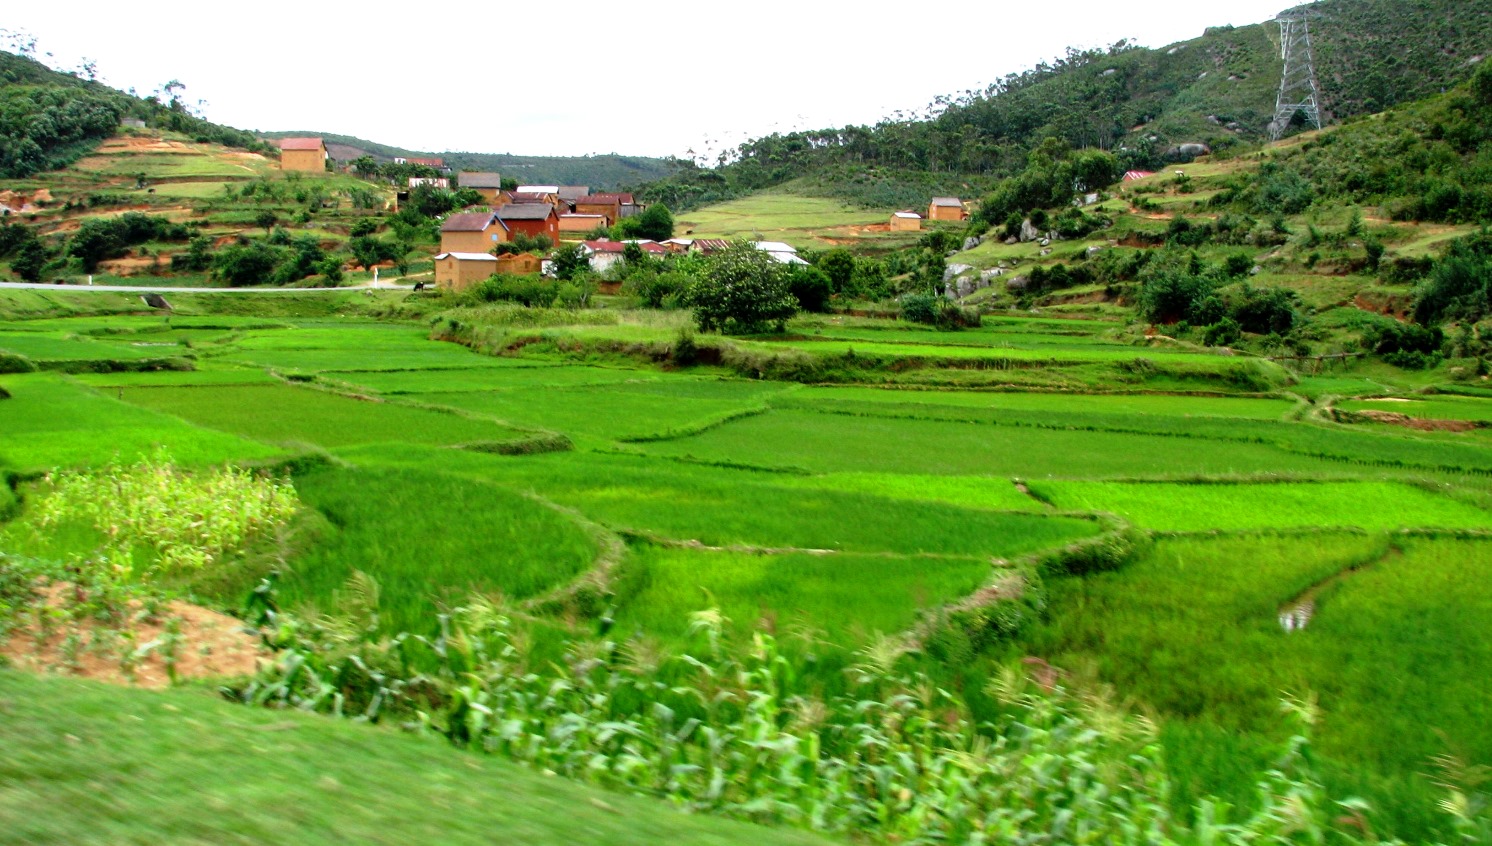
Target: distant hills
<point>1217,89</point>
<point>599,172</point>
<point>48,119</point>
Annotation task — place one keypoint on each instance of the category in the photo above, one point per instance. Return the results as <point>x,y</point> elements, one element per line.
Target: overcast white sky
<point>552,78</point>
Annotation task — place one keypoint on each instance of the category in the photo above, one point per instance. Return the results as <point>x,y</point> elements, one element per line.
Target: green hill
<point>1218,89</point>
<point>88,763</point>
<point>599,172</point>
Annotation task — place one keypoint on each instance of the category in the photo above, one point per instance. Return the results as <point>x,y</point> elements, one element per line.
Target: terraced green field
<point>852,508</point>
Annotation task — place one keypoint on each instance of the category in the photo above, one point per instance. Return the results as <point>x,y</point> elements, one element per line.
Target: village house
<point>706,246</point>
<point>613,206</point>
<point>438,164</point>
<point>604,254</point>
<point>305,155</point>
<point>538,197</point>
<point>568,194</point>
<point>472,232</point>
<point>432,181</point>
<point>946,208</point>
<point>531,219</point>
<point>905,221</point>
<point>458,271</point>
<point>783,253</point>
<point>581,222</point>
<point>519,264</point>
<point>489,185</point>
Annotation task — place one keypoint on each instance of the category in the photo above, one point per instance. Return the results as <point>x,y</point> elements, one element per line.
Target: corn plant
<point>744,734</point>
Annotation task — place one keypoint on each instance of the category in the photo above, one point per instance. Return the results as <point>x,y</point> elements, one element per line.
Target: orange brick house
<point>457,271</point>
<point>946,208</point>
<point>612,206</point>
<point>471,232</point>
<point>581,222</point>
<point>519,263</point>
<point>905,221</point>
<point>489,185</point>
<point>306,155</point>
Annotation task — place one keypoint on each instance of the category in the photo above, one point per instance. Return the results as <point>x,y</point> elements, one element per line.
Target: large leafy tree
<point>742,291</point>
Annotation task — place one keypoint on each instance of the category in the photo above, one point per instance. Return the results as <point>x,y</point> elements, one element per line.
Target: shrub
<point>920,308</point>
<point>531,291</point>
<point>1222,333</point>
<point>839,265</point>
<point>810,287</point>
<point>743,290</point>
<point>15,363</point>
<point>656,290</point>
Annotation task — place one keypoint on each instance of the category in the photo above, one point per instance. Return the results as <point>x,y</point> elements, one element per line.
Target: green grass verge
<point>87,763</point>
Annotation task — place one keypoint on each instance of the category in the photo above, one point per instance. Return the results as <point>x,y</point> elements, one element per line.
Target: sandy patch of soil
<point>131,265</point>
<point>207,644</point>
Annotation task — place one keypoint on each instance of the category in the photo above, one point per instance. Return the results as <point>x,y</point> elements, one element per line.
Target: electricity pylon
<point>1298,89</point>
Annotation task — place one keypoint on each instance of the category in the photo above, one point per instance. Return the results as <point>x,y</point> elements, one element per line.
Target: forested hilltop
<point>1137,102</point>
<point>50,119</point>
<point>598,172</point>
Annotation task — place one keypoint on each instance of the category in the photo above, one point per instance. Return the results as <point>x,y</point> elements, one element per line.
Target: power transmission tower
<point>1298,89</point>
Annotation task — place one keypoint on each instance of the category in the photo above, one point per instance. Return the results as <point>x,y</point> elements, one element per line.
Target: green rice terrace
<point>861,577</point>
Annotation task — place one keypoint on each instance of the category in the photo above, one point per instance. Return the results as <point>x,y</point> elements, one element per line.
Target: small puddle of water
<point>1297,613</point>
<point>1293,617</point>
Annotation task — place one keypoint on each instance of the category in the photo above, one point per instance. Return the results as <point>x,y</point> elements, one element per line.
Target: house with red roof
<point>603,254</point>
<point>613,207</point>
<point>531,219</point>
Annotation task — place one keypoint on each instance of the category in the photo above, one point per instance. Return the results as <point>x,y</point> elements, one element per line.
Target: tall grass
<point>50,422</point>
<point>718,506</point>
<point>427,538</point>
<point>839,443</point>
<point>1191,631</point>
<point>632,410</point>
<point>1372,506</point>
<point>989,492</point>
<point>287,414</point>
<point>850,598</point>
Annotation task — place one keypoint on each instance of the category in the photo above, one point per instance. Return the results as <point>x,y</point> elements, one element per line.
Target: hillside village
<point>1103,456</point>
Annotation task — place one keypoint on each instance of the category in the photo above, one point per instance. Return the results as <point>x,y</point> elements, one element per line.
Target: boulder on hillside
<point>972,241</point>
<point>1029,232</point>
<point>954,271</point>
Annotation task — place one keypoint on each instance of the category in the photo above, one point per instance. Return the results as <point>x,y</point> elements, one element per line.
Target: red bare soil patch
<point>208,644</point>
<point>1423,424</point>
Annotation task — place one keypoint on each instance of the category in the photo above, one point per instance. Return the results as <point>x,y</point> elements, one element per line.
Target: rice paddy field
<point>1280,553</point>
